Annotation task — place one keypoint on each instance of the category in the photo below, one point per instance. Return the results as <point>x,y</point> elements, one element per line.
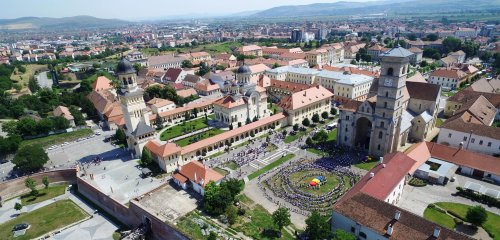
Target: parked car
<point>21,226</point>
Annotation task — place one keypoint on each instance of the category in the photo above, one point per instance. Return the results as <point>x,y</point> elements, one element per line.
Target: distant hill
<point>54,23</point>
<point>389,6</point>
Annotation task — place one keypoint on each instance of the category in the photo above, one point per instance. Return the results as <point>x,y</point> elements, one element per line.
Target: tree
<point>78,116</point>
<point>451,44</point>
<point>235,186</point>
<point>44,126</point>
<point>159,121</point>
<point>231,214</point>
<point>18,206</point>
<point>324,115</point>
<point>10,144</point>
<point>30,158</point>
<point>146,158</point>
<point>315,118</point>
<point>45,181</point>
<point>216,199</point>
<point>412,37</point>
<point>306,122</point>
<point>320,136</point>
<point>424,63</point>
<point>27,127</point>
<point>430,53</point>
<point>212,236</point>
<point>476,215</point>
<point>187,64</point>
<point>120,136</point>
<point>309,141</point>
<point>281,217</point>
<point>10,127</point>
<point>432,37</point>
<point>31,184</point>
<point>296,127</point>
<point>343,235</point>
<point>317,227</point>
<point>248,121</point>
<point>60,123</point>
<point>358,57</point>
<point>333,111</point>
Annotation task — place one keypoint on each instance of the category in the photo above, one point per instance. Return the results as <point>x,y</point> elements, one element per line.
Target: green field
<point>271,166</point>
<point>328,186</point>
<point>223,172</point>
<point>23,78</point>
<point>491,225</point>
<point>43,194</point>
<point>367,165</point>
<point>184,128</point>
<point>273,107</point>
<point>57,139</point>
<point>332,135</point>
<point>231,165</point>
<point>198,137</point>
<point>256,220</point>
<point>45,219</point>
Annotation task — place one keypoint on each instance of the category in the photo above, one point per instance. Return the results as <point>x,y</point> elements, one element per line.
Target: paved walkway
<point>96,228</point>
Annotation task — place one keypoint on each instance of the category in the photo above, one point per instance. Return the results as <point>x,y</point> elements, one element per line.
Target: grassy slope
<point>43,194</point>
<point>58,138</point>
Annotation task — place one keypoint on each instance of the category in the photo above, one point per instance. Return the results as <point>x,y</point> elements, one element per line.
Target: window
<point>465,139</point>
<point>472,140</point>
<point>382,124</point>
<point>378,147</point>
<point>346,117</point>
<point>362,234</point>
<point>449,135</point>
<point>489,144</point>
<point>353,229</point>
<point>385,104</point>
<point>480,142</point>
<point>380,135</point>
<point>390,72</point>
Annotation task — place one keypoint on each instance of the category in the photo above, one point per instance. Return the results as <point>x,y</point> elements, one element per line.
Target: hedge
<point>490,201</point>
<point>451,212</point>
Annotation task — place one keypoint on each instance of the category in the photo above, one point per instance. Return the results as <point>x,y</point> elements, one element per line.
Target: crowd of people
<point>278,187</point>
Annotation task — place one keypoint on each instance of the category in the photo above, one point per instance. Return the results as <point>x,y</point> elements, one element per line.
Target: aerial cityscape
<point>223,120</point>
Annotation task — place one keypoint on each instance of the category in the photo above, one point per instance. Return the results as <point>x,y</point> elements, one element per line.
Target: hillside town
<point>372,127</point>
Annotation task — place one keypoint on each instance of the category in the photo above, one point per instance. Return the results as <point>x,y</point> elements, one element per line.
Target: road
<point>43,80</point>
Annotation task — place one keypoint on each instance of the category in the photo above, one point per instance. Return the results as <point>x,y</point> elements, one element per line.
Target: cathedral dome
<point>244,69</point>
<point>125,67</point>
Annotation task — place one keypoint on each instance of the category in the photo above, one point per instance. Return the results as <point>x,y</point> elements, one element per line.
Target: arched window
<point>129,80</point>
<point>385,104</point>
<point>124,81</point>
<point>382,124</point>
<point>362,234</point>
<point>380,135</point>
<point>390,72</point>
<point>386,94</point>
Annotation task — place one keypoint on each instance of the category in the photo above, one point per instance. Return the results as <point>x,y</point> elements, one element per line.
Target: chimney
<point>397,215</point>
<point>389,230</point>
<point>437,231</point>
<point>372,175</point>
<point>383,165</point>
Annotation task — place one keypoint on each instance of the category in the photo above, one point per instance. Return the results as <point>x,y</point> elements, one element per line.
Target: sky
<point>137,9</point>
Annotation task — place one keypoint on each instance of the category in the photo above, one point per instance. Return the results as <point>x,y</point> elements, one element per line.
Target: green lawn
<point>256,220</point>
<point>187,225</point>
<point>290,138</point>
<point>45,219</point>
<point>57,139</point>
<point>332,182</point>
<point>367,165</point>
<point>232,165</point>
<point>332,135</point>
<point>317,152</point>
<point>492,223</point>
<point>43,194</point>
<point>183,128</point>
<point>439,122</point>
<point>272,107</point>
<point>223,172</point>
<point>438,217</point>
<point>195,138</point>
<point>271,166</point>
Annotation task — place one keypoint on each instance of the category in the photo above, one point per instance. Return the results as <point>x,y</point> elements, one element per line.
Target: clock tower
<point>391,100</point>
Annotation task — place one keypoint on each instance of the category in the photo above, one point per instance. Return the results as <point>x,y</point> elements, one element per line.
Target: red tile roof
<point>466,158</point>
<point>198,173</point>
<point>162,150</point>
<point>233,133</point>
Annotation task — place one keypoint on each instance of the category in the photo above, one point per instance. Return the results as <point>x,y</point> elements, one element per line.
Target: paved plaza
<point>416,199</point>
<point>179,203</point>
<point>120,179</point>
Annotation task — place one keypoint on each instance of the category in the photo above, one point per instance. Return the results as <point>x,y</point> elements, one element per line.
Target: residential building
<point>165,61</point>
<point>250,50</point>
<point>137,57</point>
<point>375,51</point>
<point>416,58</point>
<point>345,85</point>
<point>62,111</point>
<point>196,176</point>
<point>158,105</point>
<point>304,104</point>
<point>447,78</point>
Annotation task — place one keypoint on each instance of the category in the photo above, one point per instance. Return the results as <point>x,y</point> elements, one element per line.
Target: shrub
<point>416,182</point>
<point>241,211</point>
<point>453,213</point>
<point>458,221</point>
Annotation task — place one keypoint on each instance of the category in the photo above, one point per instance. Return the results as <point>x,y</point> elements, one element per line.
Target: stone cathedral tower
<point>391,101</point>
<point>138,127</point>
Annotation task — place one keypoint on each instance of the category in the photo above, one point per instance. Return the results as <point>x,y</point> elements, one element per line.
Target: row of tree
<point>167,92</point>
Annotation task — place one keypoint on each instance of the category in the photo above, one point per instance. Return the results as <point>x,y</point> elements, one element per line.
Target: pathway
<point>43,80</point>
